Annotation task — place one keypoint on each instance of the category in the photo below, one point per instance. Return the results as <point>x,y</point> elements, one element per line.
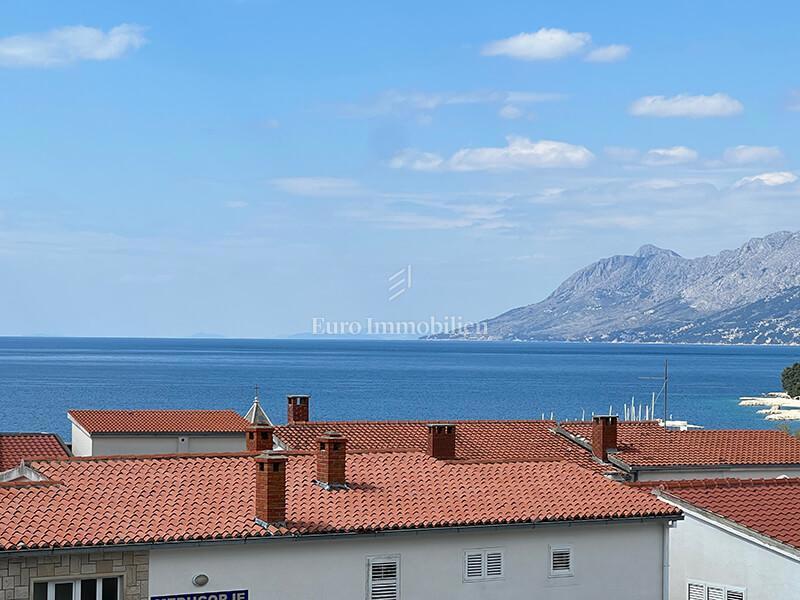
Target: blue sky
<point>241,167</point>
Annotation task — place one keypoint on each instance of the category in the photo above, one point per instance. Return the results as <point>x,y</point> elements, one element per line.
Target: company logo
<point>400,283</point>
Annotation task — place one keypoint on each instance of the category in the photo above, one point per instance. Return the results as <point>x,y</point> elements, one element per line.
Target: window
<point>561,561</point>
<point>383,578</point>
<point>700,590</point>
<point>483,564</point>
<point>106,588</point>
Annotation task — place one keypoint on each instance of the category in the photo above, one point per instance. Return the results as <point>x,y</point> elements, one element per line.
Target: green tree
<point>790,378</point>
<point>787,429</point>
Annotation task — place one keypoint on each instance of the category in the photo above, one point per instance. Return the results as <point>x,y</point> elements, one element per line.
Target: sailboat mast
<point>666,390</point>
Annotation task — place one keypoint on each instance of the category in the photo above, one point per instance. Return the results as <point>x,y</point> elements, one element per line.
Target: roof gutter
<point>332,536</point>
<point>111,434</point>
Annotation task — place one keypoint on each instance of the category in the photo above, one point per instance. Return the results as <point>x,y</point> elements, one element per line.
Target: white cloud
<point>393,101</point>
<point>656,184</point>
<point>685,105</point>
<point>676,155</point>
<point>545,44</point>
<point>67,45</point>
<point>746,155</point>
<point>519,153</point>
<point>509,111</point>
<point>416,160</point>
<point>319,187</point>
<point>611,53</point>
<point>769,179</point>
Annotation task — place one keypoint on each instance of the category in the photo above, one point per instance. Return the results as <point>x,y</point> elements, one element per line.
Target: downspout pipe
<point>665,561</point>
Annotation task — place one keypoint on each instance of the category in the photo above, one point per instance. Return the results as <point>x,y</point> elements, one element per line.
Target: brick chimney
<point>442,440</point>
<point>331,458</point>
<point>604,435</point>
<point>259,438</point>
<point>271,487</point>
<point>298,409</point>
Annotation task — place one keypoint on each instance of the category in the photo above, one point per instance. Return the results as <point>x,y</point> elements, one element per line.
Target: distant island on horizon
<point>750,295</point>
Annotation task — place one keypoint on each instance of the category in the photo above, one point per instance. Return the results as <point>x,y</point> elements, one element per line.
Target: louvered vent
<point>481,564</point>
<point>734,595</point>
<point>697,591</point>
<point>560,561</point>
<point>715,593</point>
<point>494,564</point>
<point>383,579</point>
<point>473,565</point>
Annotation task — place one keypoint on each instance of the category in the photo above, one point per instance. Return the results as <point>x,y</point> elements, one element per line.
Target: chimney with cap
<point>604,435</point>
<point>442,440</point>
<point>271,487</point>
<point>259,438</point>
<point>298,409</point>
<point>331,458</point>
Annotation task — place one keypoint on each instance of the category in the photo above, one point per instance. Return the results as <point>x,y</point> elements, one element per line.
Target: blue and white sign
<point>227,595</point>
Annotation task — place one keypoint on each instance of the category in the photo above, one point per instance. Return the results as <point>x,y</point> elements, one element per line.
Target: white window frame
<point>76,585</point>
<point>484,552</point>
<point>560,548</point>
<point>380,558</point>
<point>725,588</point>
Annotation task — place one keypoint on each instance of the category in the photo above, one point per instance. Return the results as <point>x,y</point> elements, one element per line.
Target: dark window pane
<point>40,591</point>
<point>89,589</point>
<point>110,588</point>
<point>63,591</point>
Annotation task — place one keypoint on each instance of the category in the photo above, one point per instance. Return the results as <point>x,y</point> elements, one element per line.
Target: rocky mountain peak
<point>747,295</point>
<point>651,250</point>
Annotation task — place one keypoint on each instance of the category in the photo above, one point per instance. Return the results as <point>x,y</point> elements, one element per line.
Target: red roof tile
<point>159,421</point>
<point>168,498</point>
<point>766,506</point>
<point>14,447</point>
<point>475,440</point>
<point>647,444</point>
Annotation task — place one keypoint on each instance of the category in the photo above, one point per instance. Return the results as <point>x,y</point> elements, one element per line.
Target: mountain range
<point>750,295</point>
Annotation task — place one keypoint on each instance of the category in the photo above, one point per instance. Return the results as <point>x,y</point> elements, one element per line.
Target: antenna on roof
<point>664,390</point>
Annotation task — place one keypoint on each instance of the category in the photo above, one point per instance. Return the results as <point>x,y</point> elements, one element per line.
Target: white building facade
<point>619,561</point>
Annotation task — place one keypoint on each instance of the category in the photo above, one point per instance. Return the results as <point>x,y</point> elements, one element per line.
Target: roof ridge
<point>728,483</point>
<point>413,421</point>
<point>152,410</point>
<point>27,433</point>
<point>135,457</point>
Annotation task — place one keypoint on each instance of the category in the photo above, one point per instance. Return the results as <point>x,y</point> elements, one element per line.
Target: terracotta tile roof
<point>178,498</point>
<point>646,444</point>
<point>766,506</point>
<point>159,421</point>
<point>475,440</point>
<point>14,447</point>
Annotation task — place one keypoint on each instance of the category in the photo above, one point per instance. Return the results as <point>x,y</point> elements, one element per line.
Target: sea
<point>42,378</point>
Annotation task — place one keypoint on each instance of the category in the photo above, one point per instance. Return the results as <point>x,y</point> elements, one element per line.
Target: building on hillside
<point>332,523</point>
<point>15,447</point>
<point>645,451</point>
<point>740,539</point>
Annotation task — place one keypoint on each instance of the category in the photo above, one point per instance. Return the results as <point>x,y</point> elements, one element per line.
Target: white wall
<point>753,473</point>
<point>701,551</point>
<point>165,444</point>
<point>619,561</point>
<point>81,442</point>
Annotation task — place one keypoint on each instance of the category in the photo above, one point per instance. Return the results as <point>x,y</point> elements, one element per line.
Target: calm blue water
<point>41,378</point>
